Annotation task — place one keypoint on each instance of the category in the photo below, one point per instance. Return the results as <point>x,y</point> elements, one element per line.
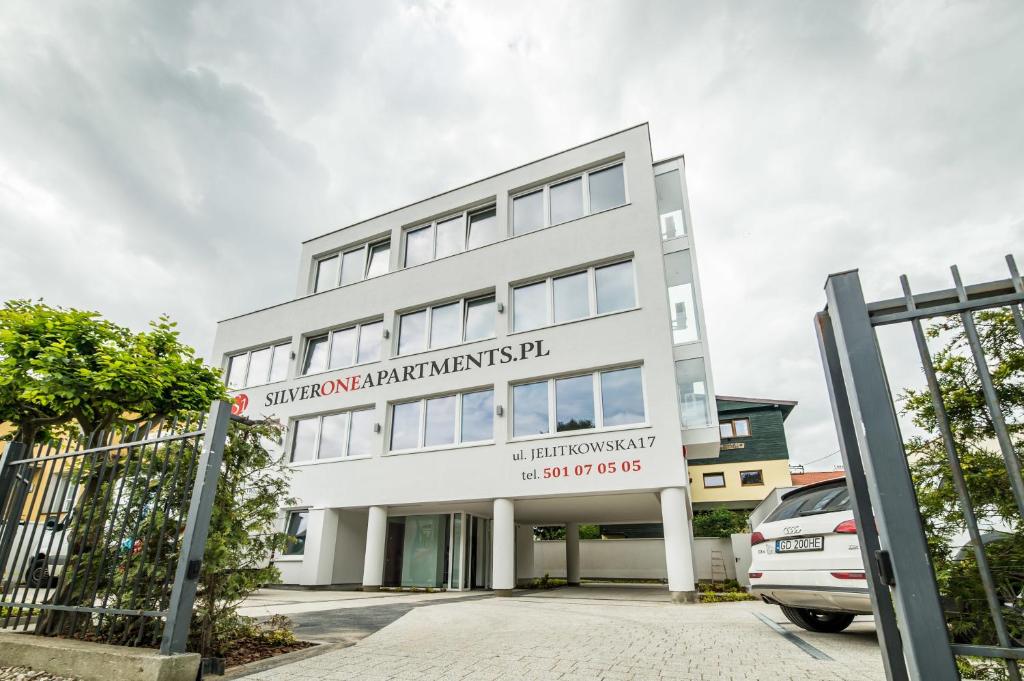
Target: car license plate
<point>800,544</point>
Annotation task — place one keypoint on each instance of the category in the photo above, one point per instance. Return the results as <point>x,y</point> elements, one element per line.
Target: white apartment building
<point>525,350</point>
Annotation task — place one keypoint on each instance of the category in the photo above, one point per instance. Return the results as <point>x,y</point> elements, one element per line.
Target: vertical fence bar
<point>183,593</point>
<point>881,599</point>
<point>991,399</point>
<point>14,451</point>
<point>1018,286</point>
<point>959,483</point>
<point>915,594</point>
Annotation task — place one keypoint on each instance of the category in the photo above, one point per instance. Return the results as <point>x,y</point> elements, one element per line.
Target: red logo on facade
<point>240,404</point>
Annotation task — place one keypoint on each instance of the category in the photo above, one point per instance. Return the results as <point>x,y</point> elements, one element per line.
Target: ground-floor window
<point>755,477</point>
<point>714,480</point>
<point>295,528</point>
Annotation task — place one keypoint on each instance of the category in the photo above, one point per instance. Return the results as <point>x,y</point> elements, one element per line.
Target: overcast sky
<point>170,156</point>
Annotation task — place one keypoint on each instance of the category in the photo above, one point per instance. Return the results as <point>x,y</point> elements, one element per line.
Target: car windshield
<point>827,499</point>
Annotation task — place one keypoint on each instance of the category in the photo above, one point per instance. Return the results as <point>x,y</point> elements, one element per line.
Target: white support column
<point>524,554</point>
<point>572,554</point>
<point>318,556</point>
<point>503,567</point>
<point>678,545</point>
<point>373,559</point>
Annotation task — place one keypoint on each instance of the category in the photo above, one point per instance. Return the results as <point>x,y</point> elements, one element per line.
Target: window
<point>445,325</point>
<point>368,260</point>
<point>691,386</point>
<point>447,420</point>
<point>735,428</point>
<point>596,290</point>
<point>682,298</point>
<point>450,235</point>
<point>295,528</point>
<point>751,478</point>
<point>343,348</point>
<point>591,192</point>
<point>600,399</point>
<point>714,480</point>
<point>669,188</point>
<point>826,499</point>
<point>256,367</point>
<point>326,273</point>
<point>333,436</point>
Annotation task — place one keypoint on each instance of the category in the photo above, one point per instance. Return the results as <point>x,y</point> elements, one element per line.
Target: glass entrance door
<point>457,572</point>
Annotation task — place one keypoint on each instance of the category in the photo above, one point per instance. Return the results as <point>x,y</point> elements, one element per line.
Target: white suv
<point>806,559</point>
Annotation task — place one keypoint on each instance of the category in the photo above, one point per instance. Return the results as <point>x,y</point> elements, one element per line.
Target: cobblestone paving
<point>586,639</point>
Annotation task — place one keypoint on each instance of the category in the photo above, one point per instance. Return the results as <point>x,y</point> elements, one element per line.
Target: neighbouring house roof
<point>801,479</point>
<point>785,405</point>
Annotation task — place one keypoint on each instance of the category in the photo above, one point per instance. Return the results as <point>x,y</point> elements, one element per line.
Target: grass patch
<point>725,597</point>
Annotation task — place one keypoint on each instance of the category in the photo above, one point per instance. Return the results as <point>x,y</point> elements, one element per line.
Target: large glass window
<point>379,261</point>
<point>528,212</point>
<point>574,403</point>
<point>618,391</point>
<point>478,416</point>
<point>259,366</point>
<point>607,188</point>
<point>682,298</point>
<point>343,348</point>
<point>622,397</point>
<point>566,201</point>
<point>352,266</point>
<point>333,436</point>
<point>447,420</point>
<point>669,188</point>
<point>691,385</point>
<point>326,273</point>
<point>450,235</point>
<point>483,228</point>
<point>530,409</point>
<point>480,318</point>
<point>370,342</point>
<point>418,246</point>
<point>570,297</point>
<point>615,287</point>
<point>295,529</point>
<point>446,325</point>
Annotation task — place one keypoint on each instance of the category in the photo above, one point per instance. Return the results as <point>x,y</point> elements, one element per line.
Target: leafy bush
<point>719,522</point>
<point>730,597</point>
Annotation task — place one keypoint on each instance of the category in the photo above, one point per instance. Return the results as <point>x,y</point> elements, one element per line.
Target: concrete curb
<point>95,661</point>
<point>279,660</point>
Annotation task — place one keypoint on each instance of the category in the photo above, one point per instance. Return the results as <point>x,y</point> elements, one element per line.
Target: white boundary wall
<point>627,558</point>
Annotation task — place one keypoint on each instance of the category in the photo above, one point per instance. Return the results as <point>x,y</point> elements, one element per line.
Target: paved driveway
<point>591,633</point>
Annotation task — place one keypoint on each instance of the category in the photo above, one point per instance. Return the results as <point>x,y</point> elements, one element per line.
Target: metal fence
<point>910,612</point>
<point>102,539</point>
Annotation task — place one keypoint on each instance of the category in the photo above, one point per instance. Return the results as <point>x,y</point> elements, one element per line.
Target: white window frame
<point>422,432</point>
<point>340,253</point>
<point>432,227</point>
<point>598,404</point>
<point>428,324</point>
<point>319,418</point>
<point>283,346</point>
<point>330,343</point>
<point>287,524</point>
<point>546,189</point>
<point>549,282</point>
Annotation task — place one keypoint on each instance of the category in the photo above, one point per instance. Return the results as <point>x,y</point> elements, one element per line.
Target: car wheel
<point>37,574</point>
<point>817,620</point>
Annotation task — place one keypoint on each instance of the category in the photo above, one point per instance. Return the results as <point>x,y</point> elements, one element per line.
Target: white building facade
<point>525,350</point>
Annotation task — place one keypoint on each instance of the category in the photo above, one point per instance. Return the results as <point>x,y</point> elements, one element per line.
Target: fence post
<point>881,599</point>
<point>893,500</point>
<point>193,543</point>
<point>10,500</point>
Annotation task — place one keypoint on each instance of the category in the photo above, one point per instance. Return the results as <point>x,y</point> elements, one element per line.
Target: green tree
<point>719,522</point>
<point>64,367</point>
<point>984,471</point>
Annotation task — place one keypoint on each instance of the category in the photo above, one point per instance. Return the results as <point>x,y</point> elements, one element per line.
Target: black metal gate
<point>103,539</point>
<point>911,616</point>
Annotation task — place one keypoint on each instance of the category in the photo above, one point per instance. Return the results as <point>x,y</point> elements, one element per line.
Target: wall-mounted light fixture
<point>291,354</point>
<point>387,333</point>
<point>376,427</point>
<point>501,307</point>
<point>499,410</point>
